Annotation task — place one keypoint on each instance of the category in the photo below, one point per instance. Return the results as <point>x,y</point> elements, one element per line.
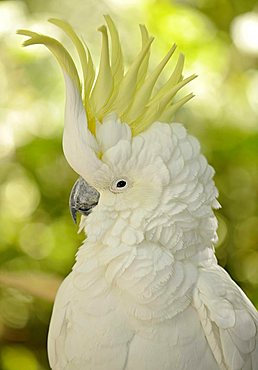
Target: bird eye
<point>119,185</point>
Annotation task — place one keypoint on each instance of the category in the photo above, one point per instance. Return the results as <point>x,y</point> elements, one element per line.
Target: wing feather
<point>229,320</point>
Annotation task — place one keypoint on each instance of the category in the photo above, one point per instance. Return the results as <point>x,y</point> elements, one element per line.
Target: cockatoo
<point>145,292</point>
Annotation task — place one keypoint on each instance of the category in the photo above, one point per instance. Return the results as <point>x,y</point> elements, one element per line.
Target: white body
<point>146,292</point>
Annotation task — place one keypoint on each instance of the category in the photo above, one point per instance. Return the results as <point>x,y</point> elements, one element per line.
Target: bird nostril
<point>84,209</point>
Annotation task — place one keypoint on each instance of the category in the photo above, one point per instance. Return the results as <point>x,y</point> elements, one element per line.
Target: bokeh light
<point>244,32</point>
<point>38,240</point>
<point>17,358</point>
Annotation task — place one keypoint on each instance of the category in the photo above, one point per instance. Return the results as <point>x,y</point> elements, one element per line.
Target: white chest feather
<point>127,302</point>
<point>138,308</point>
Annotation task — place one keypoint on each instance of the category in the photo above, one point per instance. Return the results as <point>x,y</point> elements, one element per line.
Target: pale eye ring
<point>119,185</point>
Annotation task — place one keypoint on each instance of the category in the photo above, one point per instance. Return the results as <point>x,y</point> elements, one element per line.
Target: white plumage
<point>146,292</point>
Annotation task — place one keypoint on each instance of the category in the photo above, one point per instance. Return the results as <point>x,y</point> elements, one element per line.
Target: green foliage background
<point>38,240</point>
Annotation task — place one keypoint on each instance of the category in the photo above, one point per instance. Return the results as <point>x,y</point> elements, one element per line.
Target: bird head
<point>119,137</point>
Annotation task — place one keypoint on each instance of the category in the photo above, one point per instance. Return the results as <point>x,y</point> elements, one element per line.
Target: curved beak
<point>82,199</point>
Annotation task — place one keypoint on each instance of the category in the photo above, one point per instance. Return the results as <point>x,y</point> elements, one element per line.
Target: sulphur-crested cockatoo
<point>146,292</point>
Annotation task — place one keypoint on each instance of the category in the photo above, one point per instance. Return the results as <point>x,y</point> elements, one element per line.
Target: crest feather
<point>143,93</point>
<point>63,57</point>
<point>104,83</point>
<point>129,95</point>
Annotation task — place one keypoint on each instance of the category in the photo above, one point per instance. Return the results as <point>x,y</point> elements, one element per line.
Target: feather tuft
<point>127,94</point>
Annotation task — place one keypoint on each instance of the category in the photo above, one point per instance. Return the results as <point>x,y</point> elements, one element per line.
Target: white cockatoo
<point>146,292</point>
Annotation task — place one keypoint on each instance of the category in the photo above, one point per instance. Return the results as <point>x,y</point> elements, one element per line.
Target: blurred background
<point>38,239</point>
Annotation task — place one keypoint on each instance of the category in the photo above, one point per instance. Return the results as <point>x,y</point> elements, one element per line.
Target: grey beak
<point>83,198</point>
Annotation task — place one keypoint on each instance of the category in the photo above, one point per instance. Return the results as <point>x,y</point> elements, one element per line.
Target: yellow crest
<point>129,94</point>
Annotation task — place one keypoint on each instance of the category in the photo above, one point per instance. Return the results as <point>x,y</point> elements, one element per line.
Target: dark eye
<point>121,184</point>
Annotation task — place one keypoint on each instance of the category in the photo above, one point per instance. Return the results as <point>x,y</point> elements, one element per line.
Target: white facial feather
<point>111,131</point>
<point>168,180</point>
